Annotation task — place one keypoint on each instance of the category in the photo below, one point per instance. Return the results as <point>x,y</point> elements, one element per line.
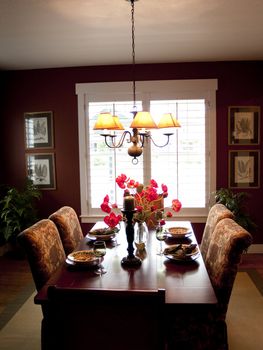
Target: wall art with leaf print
<point>41,170</point>
<point>244,169</point>
<point>39,130</point>
<point>244,125</point>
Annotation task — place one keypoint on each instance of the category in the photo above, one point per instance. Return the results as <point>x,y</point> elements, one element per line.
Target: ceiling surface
<point>67,33</point>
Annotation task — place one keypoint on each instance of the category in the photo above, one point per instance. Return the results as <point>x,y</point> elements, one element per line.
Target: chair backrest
<point>44,250</point>
<point>68,226</point>
<point>224,253</point>
<point>216,213</point>
<point>118,319</point>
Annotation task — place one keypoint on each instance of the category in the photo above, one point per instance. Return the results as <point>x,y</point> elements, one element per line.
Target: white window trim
<point>172,89</point>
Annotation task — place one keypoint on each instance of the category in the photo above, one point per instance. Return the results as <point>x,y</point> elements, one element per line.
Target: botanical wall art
<point>243,125</point>
<point>244,169</point>
<point>41,170</point>
<point>38,130</point>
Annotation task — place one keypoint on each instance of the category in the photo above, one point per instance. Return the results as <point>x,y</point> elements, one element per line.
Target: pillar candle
<point>128,203</point>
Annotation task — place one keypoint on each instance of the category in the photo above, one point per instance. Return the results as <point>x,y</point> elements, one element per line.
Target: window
<point>186,165</point>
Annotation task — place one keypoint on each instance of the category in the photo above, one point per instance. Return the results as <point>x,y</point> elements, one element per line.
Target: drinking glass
<point>161,235</point>
<point>99,249</point>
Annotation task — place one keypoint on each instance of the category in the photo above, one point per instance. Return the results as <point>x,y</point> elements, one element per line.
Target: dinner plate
<point>186,259</point>
<point>181,254</point>
<point>178,232</point>
<point>83,257</point>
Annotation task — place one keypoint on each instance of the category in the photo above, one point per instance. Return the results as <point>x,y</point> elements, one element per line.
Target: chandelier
<point>142,120</point>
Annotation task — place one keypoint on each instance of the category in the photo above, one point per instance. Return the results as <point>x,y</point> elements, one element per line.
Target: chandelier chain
<point>133,53</point>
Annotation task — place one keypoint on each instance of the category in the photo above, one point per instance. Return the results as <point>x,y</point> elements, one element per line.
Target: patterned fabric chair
<point>216,213</point>
<point>44,250</point>
<point>68,226</point>
<point>202,329</point>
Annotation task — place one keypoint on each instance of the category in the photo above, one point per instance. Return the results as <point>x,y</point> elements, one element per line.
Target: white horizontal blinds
<point>181,165</point>
<point>107,163</point>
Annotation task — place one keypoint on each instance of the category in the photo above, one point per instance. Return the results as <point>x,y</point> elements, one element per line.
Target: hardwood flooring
<point>15,274</point>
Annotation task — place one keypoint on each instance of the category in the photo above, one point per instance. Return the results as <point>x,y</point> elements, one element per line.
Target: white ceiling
<point>67,33</point>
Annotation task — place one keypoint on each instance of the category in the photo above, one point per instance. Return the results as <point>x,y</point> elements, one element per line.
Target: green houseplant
<point>17,210</point>
<point>235,202</point>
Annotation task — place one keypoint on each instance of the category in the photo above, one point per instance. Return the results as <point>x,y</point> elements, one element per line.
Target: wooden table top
<point>184,282</point>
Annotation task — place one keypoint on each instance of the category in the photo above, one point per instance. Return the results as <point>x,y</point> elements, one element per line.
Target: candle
<point>128,203</point>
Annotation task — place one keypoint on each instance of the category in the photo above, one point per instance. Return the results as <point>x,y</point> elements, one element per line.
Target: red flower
<point>176,205</point>
<point>162,222</point>
<point>164,188</point>
<point>112,220</point>
<point>105,207</point>
<point>121,179</point>
<point>106,199</point>
<point>154,183</point>
<point>169,214</point>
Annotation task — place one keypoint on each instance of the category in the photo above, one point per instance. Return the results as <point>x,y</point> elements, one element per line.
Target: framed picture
<point>38,130</point>
<point>244,169</point>
<point>41,170</point>
<point>243,125</point>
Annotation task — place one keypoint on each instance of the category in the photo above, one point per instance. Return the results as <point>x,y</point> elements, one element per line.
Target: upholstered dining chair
<point>45,254</point>
<point>205,329</point>
<point>216,213</point>
<point>44,250</point>
<point>69,228</point>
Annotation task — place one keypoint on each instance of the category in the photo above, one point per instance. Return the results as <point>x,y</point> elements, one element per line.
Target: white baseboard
<point>255,249</point>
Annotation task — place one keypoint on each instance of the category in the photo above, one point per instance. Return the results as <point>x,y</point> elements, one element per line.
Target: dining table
<point>181,285</point>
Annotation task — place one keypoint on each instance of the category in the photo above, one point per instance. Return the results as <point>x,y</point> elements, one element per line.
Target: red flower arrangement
<point>148,202</point>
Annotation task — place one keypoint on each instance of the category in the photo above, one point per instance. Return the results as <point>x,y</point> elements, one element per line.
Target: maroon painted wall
<point>239,83</point>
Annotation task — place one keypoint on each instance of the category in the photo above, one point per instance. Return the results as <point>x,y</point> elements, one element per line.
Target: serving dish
<point>103,234</point>
<point>178,232</point>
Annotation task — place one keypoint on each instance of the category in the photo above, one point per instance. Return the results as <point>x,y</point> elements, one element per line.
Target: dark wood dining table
<point>185,283</point>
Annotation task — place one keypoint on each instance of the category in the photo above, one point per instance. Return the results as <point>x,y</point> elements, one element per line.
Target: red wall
<point>239,83</point>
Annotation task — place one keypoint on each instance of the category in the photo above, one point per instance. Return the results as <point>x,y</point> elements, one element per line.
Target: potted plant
<point>17,210</point>
<point>235,203</point>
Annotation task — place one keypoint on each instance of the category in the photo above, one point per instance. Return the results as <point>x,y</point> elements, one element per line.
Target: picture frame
<point>40,168</point>
<point>244,168</point>
<point>243,125</point>
<point>38,130</point>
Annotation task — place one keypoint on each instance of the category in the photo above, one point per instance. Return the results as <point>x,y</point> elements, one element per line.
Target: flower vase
<point>141,234</point>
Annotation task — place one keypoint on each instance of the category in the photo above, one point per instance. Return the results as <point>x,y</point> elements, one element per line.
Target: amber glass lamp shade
<point>168,121</point>
<point>108,121</point>
<point>143,120</point>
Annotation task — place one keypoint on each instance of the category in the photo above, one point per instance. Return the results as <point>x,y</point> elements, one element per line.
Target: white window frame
<point>147,90</point>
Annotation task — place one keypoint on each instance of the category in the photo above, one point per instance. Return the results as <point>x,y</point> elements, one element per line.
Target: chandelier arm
<point>143,137</point>
<point>165,144</point>
<point>112,137</point>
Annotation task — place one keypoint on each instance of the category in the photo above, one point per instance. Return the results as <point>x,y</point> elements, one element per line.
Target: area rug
<point>245,312</point>
<point>23,330</point>
<point>244,319</point>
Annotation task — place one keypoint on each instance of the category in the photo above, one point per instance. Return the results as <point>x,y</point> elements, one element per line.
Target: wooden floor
<point>15,274</point>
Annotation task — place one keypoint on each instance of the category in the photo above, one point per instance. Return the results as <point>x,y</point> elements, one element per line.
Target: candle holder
<point>130,259</point>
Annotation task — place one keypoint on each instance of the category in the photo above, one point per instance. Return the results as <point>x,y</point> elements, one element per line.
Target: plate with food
<point>103,234</point>
<point>182,252</point>
<point>178,232</point>
<point>83,257</point>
